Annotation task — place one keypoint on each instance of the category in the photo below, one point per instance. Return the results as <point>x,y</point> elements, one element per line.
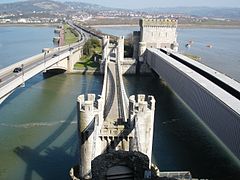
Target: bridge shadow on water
<point>29,84</point>
<point>51,162</point>
<point>53,72</point>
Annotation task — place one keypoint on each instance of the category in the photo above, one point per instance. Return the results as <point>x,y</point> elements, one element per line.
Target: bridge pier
<point>73,59</point>
<point>68,62</point>
<point>105,53</point>
<point>120,48</point>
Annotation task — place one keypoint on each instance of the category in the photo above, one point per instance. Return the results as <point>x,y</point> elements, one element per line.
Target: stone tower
<point>141,116</point>
<point>90,115</point>
<point>158,33</point>
<point>154,33</point>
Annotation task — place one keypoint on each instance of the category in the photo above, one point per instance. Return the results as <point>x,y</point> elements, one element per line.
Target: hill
<point>220,12</point>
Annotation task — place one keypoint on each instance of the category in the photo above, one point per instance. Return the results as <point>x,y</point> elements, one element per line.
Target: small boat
<point>187,45</point>
<point>209,46</point>
<point>190,42</point>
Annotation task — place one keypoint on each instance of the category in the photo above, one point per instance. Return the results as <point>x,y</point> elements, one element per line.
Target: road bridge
<point>213,96</point>
<point>62,58</point>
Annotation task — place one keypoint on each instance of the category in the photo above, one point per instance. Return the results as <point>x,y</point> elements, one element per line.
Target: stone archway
<point>129,163</point>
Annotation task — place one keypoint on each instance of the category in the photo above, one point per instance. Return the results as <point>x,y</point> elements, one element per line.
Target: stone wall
<point>129,66</point>
<point>158,33</point>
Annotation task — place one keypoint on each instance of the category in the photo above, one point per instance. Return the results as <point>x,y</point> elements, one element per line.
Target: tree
<point>90,45</point>
<point>128,46</point>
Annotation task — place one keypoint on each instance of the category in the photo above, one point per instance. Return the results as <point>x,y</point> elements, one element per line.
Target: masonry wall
<point>158,33</point>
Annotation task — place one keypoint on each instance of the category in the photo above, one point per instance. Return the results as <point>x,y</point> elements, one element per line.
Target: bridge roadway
<point>10,80</point>
<point>113,104</point>
<point>213,96</point>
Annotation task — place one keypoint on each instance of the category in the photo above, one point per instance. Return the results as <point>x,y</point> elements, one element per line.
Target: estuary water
<point>38,123</point>
<point>224,55</point>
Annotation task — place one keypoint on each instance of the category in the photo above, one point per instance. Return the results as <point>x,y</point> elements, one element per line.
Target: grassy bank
<point>70,35</point>
<point>87,63</point>
<point>92,51</point>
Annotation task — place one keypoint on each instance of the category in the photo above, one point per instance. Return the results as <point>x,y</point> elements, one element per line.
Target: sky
<point>133,4</point>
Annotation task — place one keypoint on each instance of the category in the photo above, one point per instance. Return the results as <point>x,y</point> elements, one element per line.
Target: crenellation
<point>158,23</point>
<point>142,106</point>
<point>151,102</point>
<point>140,97</point>
<point>91,97</point>
<point>89,103</point>
<point>140,103</point>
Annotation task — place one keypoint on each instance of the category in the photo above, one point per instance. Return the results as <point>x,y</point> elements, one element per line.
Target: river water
<point>38,123</point>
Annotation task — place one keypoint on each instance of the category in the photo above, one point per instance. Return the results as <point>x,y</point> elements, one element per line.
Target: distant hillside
<point>50,5</point>
<point>87,7</point>
<point>232,13</point>
<point>55,6</point>
<point>33,5</point>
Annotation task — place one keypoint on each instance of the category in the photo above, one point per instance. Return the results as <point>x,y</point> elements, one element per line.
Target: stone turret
<point>89,118</point>
<point>141,116</point>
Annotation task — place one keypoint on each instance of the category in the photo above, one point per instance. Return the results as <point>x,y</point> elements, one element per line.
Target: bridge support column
<point>89,117</point>
<point>73,59</point>
<point>142,49</point>
<point>141,115</point>
<point>120,49</point>
<point>105,52</point>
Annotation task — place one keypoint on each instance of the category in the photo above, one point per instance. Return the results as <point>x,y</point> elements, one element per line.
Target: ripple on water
<point>39,124</point>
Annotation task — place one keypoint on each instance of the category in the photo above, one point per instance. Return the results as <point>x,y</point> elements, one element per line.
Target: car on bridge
<point>55,55</point>
<point>17,69</point>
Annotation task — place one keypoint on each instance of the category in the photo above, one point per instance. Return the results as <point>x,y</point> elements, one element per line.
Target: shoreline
<point>216,26</point>
<point>186,26</point>
<point>115,25</point>
<point>28,25</point>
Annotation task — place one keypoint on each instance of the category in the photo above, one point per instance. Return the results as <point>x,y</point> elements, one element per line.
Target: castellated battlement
<point>89,103</point>
<point>158,22</point>
<point>141,103</point>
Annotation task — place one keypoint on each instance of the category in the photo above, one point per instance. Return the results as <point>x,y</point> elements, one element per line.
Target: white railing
<point>104,88</point>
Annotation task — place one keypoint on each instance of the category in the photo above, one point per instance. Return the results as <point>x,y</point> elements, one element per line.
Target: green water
<point>38,123</point>
<point>38,127</point>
